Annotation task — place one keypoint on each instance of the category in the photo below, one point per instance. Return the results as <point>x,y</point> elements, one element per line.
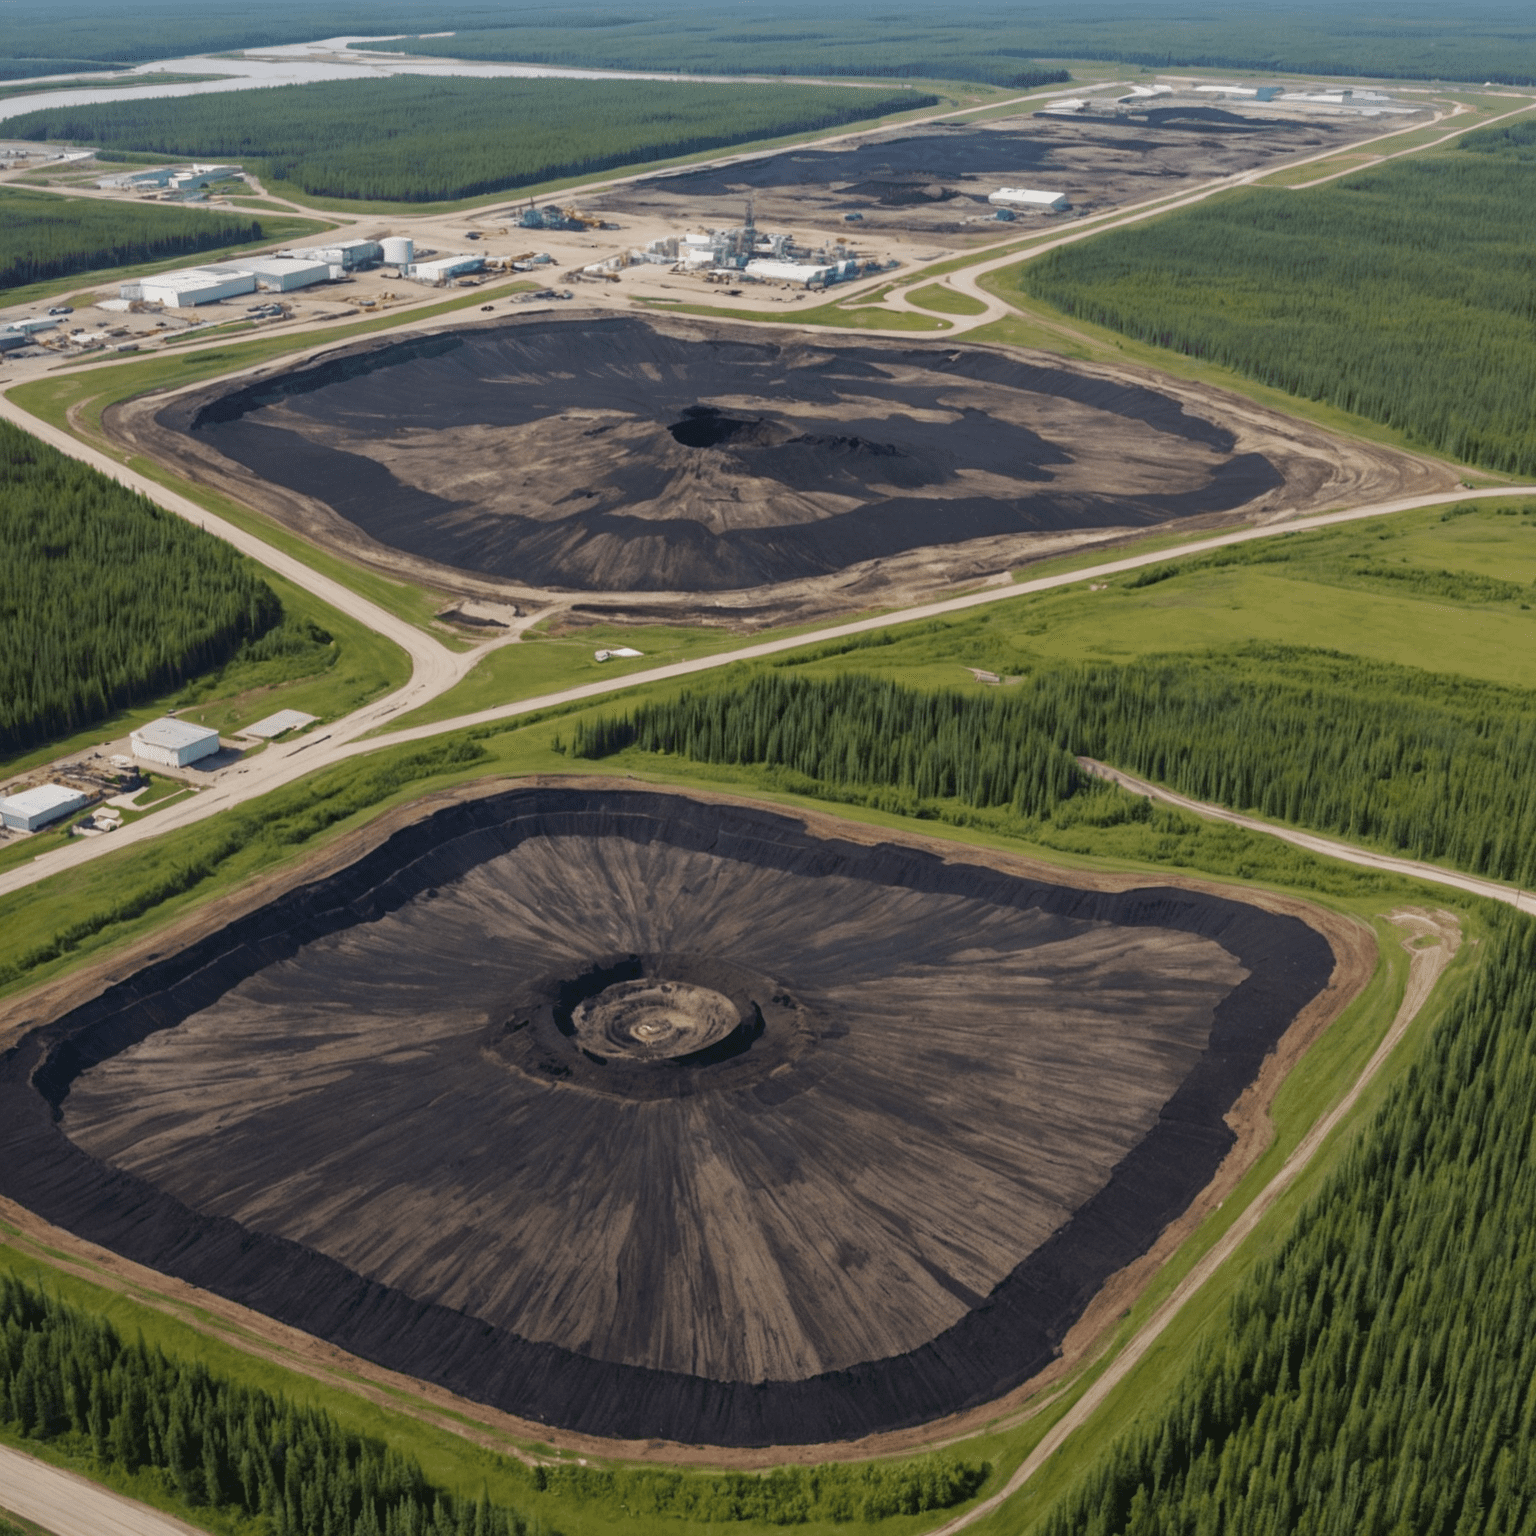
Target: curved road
<point>441,668</point>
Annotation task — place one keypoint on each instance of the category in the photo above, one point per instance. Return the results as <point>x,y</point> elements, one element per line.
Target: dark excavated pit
<point>649,454</point>
<point>653,1118</point>
<point>703,426</point>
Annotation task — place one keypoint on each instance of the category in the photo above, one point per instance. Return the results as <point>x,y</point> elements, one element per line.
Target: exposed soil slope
<point>625,454</point>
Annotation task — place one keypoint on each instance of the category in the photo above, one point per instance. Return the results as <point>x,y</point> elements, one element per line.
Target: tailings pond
<point>622,454</point>
<point>654,1118</point>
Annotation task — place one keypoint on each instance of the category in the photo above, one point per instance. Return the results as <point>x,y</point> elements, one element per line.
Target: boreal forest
<point>105,599</point>
<point>1402,294</point>
<point>45,236</point>
<point>415,139</point>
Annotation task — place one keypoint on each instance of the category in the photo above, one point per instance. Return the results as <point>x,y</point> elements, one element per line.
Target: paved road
<point>339,742</point>
<point>69,1505</point>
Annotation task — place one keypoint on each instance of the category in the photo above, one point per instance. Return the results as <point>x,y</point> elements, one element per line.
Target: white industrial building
<point>274,725</point>
<point>443,268</point>
<point>190,286</point>
<point>200,175</point>
<point>173,743</point>
<point>349,255</point>
<point>811,274</point>
<point>160,177</point>
<point>34,808</point>
<point>1023,197</point>
<point>225,280</point>
<point>276,274</point>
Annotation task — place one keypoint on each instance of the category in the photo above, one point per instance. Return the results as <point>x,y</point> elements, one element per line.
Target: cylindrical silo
<point>399,250</point>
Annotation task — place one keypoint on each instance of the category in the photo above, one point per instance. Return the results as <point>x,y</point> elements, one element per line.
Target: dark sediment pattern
<point>629,454</point>
<point>826,1139</point>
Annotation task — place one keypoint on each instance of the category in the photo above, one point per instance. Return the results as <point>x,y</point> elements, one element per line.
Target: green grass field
<point>854,314</point>
<point>946,301</point>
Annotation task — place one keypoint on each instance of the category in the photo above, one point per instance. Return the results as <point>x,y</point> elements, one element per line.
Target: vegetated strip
<point>1435,766</point>
<point>1396,294</point>
<point>45,236</point>
<point>994,1347</point>
<point>221,1447</point>
<point>1375,1373</point>
<point>419,139</point>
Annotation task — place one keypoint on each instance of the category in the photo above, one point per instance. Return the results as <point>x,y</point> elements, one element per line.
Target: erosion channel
<point>652,1117</point>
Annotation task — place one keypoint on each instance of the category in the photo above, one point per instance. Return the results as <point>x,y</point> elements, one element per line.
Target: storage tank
<point>399,250</point>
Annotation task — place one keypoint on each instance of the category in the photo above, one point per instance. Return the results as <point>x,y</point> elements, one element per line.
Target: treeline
<point>834,1492</point>
<point>412,138</point>
<point>1376,1376</point>
<point>1403,294</point>
<point>901,48</point>
<point>1492,39</point>
<point>105,600</point>
<point>983,750</point>
<point>1000,47</point>
<point>1433,766</point>
<point>43,236</point>
<point>69,1378</point>
<point>66,1375</point>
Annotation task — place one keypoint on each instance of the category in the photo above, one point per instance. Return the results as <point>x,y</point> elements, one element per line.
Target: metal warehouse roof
<point>275,725</point>
<point>173,734</point>
<point>45,797</point>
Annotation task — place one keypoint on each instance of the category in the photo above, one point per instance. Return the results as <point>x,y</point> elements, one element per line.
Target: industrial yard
<point>739,815</point>
<point>938,181</point>
<point>667,464</point>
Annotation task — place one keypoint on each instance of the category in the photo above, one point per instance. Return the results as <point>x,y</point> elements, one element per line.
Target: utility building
<point>200,175</point>
<point>349,254</point>
<point>192,286</point>
<point>1024,197</point>
<point>173,743</point>
<point>34,808</point>
<point>277,274</point>
<point>444,268</point>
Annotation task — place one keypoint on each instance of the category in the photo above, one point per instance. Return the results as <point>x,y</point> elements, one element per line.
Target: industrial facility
<point>749,254</point>
<point>34,808</point>
<point>284,272</point>
<point>173,179</point>
<point>173,743</point>
<point>1024,197</point>
<point>443,270</point>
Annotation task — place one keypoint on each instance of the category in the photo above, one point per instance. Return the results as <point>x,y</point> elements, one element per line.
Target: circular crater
<point>653,1118</point>
<point>649,454</point>
<point>651,1020</point>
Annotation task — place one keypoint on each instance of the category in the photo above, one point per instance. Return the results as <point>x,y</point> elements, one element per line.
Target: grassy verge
<point>853,316</point>
<point>946,301</point>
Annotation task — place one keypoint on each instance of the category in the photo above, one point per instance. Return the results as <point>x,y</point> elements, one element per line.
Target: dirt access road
<point>1432,942</point>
